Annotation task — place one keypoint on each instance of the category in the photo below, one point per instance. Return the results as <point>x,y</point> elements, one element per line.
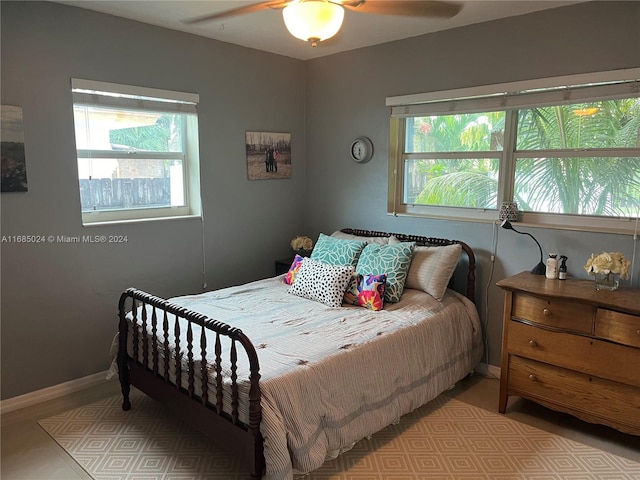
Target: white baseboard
<point>57,391</point>
<point>489,371</point>
<point>50,393</point>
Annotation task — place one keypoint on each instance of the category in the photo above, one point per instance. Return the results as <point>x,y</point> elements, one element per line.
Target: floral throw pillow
<point>394,260</point>
<point>290,276</point>
<point>366,291</point>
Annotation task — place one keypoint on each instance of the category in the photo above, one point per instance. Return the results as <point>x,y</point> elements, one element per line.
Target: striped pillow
<point>432,268</point>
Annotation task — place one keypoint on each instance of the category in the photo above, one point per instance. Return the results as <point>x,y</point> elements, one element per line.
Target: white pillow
<point>322,282</point>
<point>348,236</point>
<point>432,267</point>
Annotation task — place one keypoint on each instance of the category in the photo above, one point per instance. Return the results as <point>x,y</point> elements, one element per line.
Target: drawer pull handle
<point>546,312</point>
<point>533,378</point>
<point>637,332</point>
<point>533,343</point>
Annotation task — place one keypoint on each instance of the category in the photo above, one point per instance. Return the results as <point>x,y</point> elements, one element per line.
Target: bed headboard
<point>469,289</point>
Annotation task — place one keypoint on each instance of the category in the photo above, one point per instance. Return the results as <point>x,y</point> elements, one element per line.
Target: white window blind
<point>508,96</point>
<point>93,93</point>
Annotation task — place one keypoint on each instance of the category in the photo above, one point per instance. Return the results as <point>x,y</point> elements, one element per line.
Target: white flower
<point>608,262</point>
<point>301,242</point>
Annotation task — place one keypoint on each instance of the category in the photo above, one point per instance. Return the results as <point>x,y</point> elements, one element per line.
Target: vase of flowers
<point>608,268</point>
<point>302,245</point>
<point>607,281</point>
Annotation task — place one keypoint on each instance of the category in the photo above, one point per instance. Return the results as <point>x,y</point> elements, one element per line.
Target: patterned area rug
<point>446,439</point>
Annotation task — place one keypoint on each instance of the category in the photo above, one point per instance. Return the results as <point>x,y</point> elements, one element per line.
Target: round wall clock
<point>361,150</point>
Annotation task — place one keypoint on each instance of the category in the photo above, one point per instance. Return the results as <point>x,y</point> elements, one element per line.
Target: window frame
<point>110,95</point>
<point>569,89</point>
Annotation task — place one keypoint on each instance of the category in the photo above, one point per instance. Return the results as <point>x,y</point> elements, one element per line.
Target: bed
<point>288,380</point>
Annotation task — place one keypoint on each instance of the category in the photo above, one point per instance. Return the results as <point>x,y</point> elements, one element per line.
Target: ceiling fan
<point>317,20</point>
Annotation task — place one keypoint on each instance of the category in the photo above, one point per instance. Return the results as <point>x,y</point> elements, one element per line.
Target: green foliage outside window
<point>569,159</point>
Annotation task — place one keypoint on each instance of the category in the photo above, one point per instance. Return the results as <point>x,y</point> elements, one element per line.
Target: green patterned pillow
<point>336,251</point>
<point>394,260</point>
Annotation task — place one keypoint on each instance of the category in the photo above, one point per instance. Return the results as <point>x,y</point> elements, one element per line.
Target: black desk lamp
<point>540,268</point>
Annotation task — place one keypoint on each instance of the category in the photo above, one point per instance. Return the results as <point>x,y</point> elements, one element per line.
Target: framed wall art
<point>268,155</point>
<point>14,167</point>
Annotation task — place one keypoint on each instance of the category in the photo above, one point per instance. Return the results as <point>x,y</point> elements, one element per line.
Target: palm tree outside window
<point>579,159</point>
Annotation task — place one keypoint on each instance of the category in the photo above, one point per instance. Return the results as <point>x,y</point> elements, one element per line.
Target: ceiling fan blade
<point>426,8</point>
<point>255,7</point>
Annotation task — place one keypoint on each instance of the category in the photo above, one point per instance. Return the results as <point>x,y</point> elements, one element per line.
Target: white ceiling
<point>265,30</point>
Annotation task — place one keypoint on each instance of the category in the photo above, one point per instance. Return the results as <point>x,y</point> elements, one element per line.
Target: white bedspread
<point>332,376</point>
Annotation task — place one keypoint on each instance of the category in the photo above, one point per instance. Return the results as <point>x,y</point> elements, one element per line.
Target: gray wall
<point>582,38</point>
<point>59,301</point>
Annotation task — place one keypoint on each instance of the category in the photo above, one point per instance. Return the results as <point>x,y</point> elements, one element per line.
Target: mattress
<point>333,376</point>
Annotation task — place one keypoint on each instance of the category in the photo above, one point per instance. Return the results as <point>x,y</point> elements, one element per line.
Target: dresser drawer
<point>577,352</point>
<point>575,392</point>
<point>569,348</point>
<point>556,313</point>
<point>618,327</point>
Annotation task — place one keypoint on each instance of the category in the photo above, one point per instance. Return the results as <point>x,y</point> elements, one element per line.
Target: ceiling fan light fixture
<point>313,20</point>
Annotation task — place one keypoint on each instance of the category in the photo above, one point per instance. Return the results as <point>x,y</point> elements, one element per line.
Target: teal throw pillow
<point>336,251</point>
<point>394,260</point>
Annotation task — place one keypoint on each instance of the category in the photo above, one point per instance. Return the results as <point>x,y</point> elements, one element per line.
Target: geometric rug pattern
<point>145,443</point>
<point>443,440</point>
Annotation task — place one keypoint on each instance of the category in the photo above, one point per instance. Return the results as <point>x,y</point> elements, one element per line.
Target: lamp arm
<point>540,268</point>
<point>539,247</point>
<point>534,239</point>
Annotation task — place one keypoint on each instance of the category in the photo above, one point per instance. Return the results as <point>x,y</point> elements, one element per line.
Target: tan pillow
<point>432,268</point>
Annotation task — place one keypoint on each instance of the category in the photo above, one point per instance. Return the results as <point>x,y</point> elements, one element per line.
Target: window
<point>566,155</point>
<point>137,152</point>
<point>580,159</point>
<point>453,159</point>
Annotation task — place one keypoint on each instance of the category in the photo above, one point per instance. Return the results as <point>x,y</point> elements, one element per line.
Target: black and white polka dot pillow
<point>322,282</point>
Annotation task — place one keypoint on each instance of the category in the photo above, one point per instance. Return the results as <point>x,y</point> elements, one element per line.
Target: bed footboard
<point>162,367</point>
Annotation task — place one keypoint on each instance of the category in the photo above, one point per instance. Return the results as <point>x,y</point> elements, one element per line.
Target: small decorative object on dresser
<point>572,349</point>
<point>608,268</point>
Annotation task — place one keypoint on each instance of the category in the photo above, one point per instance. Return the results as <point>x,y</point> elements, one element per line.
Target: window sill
<point>617,226</point>
<point>140,220</point>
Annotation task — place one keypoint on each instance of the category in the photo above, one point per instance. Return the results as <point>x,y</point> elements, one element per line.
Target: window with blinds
<point>137,151</point>
<point>568,155</point>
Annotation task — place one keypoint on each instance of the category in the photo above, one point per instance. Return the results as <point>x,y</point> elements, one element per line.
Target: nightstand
<point>283,265</point>
<point>572,348</point>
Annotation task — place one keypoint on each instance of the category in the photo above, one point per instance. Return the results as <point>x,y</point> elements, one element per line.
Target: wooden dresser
<point>572,348</point>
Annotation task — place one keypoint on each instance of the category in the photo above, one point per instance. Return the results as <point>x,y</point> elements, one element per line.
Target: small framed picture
<point>268,155</point>
<point>14,166</point>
